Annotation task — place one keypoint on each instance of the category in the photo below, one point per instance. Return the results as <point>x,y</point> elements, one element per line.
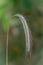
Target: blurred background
<point>32,10</point>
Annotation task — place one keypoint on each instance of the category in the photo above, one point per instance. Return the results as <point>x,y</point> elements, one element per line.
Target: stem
<point>7,50</point>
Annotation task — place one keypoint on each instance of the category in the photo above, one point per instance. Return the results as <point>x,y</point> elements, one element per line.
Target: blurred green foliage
<point>18,6</point>
<point>35,22</point>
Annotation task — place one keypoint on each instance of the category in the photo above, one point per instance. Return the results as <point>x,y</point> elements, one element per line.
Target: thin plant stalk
<point>7,49</point>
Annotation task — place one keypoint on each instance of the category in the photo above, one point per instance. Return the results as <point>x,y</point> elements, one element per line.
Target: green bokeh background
<point>29,9</point>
